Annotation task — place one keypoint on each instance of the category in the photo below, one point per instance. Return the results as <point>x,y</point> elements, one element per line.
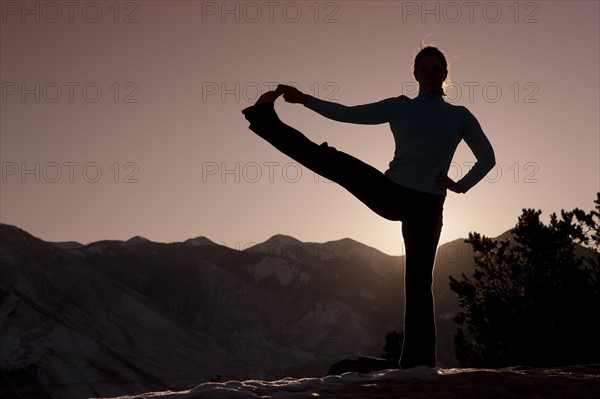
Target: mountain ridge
<point>291,312</point>
<point>274,239</point>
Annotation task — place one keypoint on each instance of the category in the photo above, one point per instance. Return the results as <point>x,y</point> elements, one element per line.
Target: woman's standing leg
<point>421,234</point>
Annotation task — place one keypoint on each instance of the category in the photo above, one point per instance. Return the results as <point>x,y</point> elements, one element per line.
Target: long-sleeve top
<point>427,131</point>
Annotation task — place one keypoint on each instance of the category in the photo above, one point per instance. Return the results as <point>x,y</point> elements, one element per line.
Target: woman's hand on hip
<point>446,183</point>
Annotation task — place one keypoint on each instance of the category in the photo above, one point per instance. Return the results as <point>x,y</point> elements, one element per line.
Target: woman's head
<point>430,69</point>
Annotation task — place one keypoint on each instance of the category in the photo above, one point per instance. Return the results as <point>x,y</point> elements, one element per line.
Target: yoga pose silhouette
<point>427,131</point>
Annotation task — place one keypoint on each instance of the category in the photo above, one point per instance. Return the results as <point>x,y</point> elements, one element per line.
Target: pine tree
<point>533,299</point>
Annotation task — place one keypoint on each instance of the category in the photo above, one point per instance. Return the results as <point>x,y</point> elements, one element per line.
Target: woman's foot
<point>269,96</point>
<point>263,109</point>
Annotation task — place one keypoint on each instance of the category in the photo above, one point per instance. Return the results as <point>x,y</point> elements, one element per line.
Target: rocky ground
<point>517,382</point>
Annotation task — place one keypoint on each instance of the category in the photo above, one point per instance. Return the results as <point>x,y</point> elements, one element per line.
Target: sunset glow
<point>124,118</point>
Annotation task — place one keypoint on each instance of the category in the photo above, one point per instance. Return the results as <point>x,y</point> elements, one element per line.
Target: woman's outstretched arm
<point>367,114</point>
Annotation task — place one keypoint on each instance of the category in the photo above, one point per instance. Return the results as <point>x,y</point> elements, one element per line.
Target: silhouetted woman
<point>427,131</point>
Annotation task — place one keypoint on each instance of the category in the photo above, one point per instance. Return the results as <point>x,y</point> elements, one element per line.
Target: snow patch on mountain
<point>281,246</point>
<point>281,269</point>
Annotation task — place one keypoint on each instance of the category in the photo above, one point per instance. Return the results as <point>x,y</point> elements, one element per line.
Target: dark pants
<point>420,213</point>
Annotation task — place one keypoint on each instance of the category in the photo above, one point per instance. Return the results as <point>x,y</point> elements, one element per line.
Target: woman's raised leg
<point>365,182</point>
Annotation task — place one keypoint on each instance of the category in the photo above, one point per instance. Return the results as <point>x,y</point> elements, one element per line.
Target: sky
<point>124,118</point>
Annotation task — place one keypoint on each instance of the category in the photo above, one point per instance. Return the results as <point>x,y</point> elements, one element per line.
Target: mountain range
<point>123,317</point>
